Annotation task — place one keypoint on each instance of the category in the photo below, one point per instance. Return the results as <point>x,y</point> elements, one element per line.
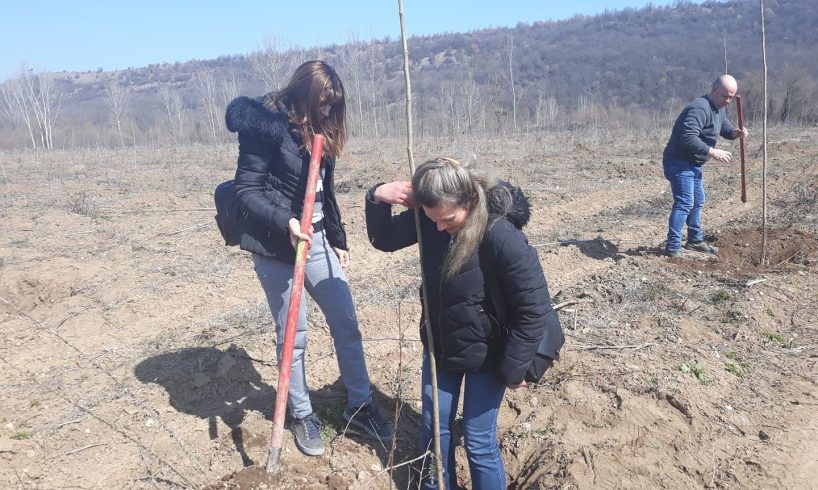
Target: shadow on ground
<point>212,383</point>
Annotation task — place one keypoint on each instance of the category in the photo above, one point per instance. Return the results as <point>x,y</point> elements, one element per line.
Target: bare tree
<point>15,106</point>
<point>274,61</point>
<point>470,94</point>
<point>724,43</point>
<point>352,66</point>
<point>510,54</point>
<point>45,97</point>
<point>546,111</point>
<point>117,98</point>
<point>230,89</point>
<point>764,143</point>
<point>205,84</point>
<point>173,108</point>
<point>796,91</point>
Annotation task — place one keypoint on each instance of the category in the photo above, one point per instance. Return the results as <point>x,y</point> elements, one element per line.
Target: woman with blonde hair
<point>473,252</point>
<point>275,135</point>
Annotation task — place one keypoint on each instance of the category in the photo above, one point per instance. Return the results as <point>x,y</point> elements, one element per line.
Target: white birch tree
<point>117,99</point>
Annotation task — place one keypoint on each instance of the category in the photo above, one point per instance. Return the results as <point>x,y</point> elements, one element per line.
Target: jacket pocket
<point>465,330</point>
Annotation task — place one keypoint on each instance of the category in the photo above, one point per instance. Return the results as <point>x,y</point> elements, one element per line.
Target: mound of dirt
<point>740,250</point>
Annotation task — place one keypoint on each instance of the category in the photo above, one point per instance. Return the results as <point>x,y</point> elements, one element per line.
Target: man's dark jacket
<point>467,336</point>
<point>271,179</point>
<point>696,130</point>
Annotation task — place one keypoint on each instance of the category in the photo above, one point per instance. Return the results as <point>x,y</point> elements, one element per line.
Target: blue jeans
<point>688,199</point>
<point>482,395</point>
<point>326,284</point>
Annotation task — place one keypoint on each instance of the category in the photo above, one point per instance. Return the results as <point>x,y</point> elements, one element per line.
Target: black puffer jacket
<point>467,336</point>
<point>271,179</point>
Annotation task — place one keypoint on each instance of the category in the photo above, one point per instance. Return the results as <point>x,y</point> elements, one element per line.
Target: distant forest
<point>620,69</point>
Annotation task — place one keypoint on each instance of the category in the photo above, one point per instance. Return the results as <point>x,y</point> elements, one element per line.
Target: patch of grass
<point>137,248</point>
<point>652,292</point>
<point>777,337</point>
<point>770,312</point>
<point>591,425</point>
<point>678,305</point>
<point>734,316</point>
<point>332,419</point>
<point>22,435</point>
<point>696,370</point>
<point>34,403</point>
<point>720,296</point>
<point>732,368</point>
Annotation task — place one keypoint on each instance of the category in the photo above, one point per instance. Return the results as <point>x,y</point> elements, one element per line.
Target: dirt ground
<point>136,350</point>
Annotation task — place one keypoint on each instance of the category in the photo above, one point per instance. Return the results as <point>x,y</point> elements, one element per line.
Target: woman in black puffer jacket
<point>467,221</point>
<point>275,136</point>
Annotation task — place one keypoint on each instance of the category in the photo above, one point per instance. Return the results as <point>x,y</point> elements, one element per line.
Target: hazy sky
<point>83,35</point>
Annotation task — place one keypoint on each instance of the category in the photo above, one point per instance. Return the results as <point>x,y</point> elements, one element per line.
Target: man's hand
<point>737,133</point>
<point>395,193</point>
<point>343,256</point>
<point>720,155</point>
<point>296,235</point>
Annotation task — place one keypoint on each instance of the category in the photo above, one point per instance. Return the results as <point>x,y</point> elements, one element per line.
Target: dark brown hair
<point>313,85</point>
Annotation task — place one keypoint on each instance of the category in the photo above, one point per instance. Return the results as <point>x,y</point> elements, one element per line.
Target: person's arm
<point>389,232</point>
<point>255,158</point>
<point>728,131</point>
<point>528,303</point>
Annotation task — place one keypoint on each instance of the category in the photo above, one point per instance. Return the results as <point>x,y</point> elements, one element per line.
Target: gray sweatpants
<point>326,284</point>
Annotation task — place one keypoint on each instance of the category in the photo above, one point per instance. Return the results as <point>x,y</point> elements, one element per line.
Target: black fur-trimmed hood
<point>518,211</point>
<point>251,116</point>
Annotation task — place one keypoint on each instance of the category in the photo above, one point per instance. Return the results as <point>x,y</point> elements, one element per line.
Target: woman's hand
<point>521,384</point>
<point>343,256</point>
<point>296,235</point>
<point>395,193</point>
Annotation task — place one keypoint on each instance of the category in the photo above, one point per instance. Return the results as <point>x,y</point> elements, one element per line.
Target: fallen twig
<point>198,225</point>
<point>390,468</point>
<point>70,422</point>
<point>562,305</point>
<point>611,347</point>
<point>75,451</point>
<point>599,239</point>
<point>752,282</point>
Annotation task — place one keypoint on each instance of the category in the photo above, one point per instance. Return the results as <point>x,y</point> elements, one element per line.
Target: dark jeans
<point>688,199</point>
<point>482,395</point>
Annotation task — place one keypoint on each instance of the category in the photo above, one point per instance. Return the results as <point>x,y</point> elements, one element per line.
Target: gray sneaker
<point>307,432</point>
<point>370,421</point>
<point>673,253</point>
<point>702,246</point>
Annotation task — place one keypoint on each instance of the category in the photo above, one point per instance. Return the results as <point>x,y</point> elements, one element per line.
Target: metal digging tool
<point>741,148</point>
<point>286,361</point>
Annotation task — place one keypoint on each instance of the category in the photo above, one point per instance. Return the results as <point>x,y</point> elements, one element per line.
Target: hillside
<point>585,70</point>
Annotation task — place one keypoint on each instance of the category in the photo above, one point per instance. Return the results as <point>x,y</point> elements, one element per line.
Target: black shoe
<point>370,421</point>
<point>702,246</point>
<point>673,253</point>
<point>307,434</point>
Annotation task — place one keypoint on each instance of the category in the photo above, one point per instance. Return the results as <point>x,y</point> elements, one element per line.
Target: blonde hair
<point>445,181</point>
<point>315,84</point>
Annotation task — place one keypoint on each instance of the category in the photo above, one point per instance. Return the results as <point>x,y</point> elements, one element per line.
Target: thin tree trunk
<point>431,345</point>
<point>764,144</point>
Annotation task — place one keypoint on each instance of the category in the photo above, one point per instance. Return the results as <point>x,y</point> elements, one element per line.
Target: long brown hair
<point>445,181</point>
<point>313,85</point>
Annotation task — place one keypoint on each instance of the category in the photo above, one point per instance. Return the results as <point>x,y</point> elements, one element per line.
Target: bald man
<point>691,144</point>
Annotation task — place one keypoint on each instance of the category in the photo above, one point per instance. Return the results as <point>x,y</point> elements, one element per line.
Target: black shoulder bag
<point>229,214</point>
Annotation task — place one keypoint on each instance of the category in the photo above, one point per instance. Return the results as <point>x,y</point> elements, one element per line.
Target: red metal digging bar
<point>286,362</point>
<point>741,148</point>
